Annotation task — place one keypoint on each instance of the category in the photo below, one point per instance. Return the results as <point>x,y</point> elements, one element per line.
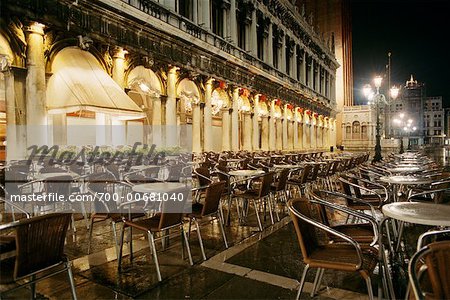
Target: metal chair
<point>40,250</point>
<point>347,256</point>
<point>170,217</point>
<point>210,208</point>
<point>431,263</point>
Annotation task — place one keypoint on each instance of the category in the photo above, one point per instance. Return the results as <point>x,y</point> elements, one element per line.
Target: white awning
<point>79,83</point>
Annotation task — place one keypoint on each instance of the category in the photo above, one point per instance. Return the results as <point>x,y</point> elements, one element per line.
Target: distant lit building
<point>426,113</point>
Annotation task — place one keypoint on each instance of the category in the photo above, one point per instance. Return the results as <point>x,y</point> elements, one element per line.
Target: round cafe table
<point>399,180</point>
<point>158,187</point>
<point>419,213</point>
<point>405,169</point>
<point>143,167</point>
<point>246,173</point>
<point>286,166</point>
<point>45,176</point>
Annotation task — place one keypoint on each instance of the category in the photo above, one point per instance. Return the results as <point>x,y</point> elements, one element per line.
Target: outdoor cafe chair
<point>428,271</point>
<point>209,209</point>
<point>111,203</point>
<point>39,253</point>
<point>169,217</point>
<point>347,256</point>
<point>261,194</point>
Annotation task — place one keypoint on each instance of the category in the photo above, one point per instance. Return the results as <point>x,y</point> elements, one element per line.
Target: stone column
<point>156,121</point>
<point>295,134</point>
<point>235,121</point>
<point>306,136</point>
<point>313,135</point>
<point>255,126</point>
<point>294,64</point>
<point>304,69</point>
<point>290,134</point>
<point>118,70</point>
<point>36,107</point>
<point>272,129</point>
<point>311,75</point>
<point>226,129</point>
<point>233,21</point>
<point>279,134</point>
<point>284,131</point>
<point>59,129</point>
<point>196,129</point>
<point>253,35</point>
<point>283,55</point>
<point>225,22</point>
<point>269,43</point>
<point>300,136</point>
<point>317,74</point>
<point>16,135</point>
<point>195,11</point>
<point>264,133</point>
<point>207,124</point>
<point>205,13</point>
<point>171,109</point>
<point>247,134</point>
<point>103,132</point>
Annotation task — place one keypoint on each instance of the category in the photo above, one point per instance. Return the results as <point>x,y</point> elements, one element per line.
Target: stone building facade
<point>245,75</point>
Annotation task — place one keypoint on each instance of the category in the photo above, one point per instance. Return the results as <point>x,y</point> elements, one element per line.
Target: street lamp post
<point>377,98</point>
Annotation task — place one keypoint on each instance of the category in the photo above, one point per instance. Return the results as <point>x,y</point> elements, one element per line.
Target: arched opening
<point>356,130</point>
<point>145,90</point>
<point>189,106</point>
<point>86,106</point>
<point>6,58</point>
<point>219,102</point>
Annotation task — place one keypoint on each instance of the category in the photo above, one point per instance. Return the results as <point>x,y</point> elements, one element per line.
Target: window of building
<point>356,129</point>
<point>364,132</point>
<point>275,45</point>
<point>185,8</point>
<point>298,61</point>
<point>260,36</point>
<point>348,132</point>
<point>241,26</point>
<point>288,55</point>
<point>217,17</point>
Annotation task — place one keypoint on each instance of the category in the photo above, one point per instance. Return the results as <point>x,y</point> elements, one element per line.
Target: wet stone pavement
<point>256,266</point>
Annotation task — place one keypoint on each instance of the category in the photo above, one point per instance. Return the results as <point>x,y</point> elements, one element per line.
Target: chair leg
<point>119,259</point>
<point>71,281</point>
<point>302,282</point>
<point>33,287</point>
<point>116,243</point>
<point>220,217</point>
<point>257,215</point>
<point>188,248</point>
<point>200,241</point>
<point>91,229</point>
<point>317,281</point>
<point>366,277</point>
<point>269,202</point>
<point>155,256</point>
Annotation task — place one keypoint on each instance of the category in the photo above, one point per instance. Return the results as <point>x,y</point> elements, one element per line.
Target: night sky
<point>416,32</point>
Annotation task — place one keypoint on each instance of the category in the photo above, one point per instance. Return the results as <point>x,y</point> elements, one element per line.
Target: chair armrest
<point>372,209</point>
<point>427,192</point>
<point>15,206</point>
